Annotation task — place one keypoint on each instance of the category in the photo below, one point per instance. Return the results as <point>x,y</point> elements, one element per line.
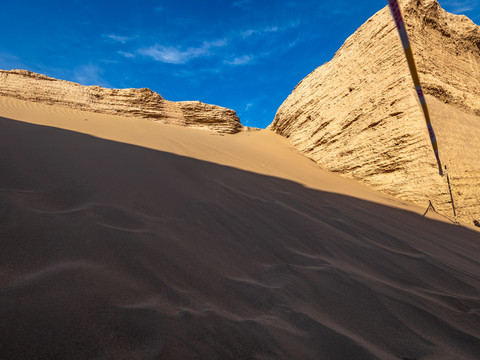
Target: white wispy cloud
<point>89,74</point>
<point>271,29</point>
<point>240,60</point>
<point>177,55</point>
<point>460,6</point>
<point>248,106</point>
<point>127,54</point>
<point>249,32</point>
<point>117,38</point>
<point>267,29</point>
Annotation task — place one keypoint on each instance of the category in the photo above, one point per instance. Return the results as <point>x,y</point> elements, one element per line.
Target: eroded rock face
<point>358,114</point>
<point>143,103</point>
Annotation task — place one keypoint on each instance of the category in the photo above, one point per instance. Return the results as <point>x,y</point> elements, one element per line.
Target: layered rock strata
<point>358,114</point>
<point>143,103</point>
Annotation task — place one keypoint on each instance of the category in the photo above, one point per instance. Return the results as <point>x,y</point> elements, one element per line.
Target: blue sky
<point>247,55</point>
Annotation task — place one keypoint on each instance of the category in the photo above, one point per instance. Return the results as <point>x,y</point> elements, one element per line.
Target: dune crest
<point>358,115</point>
<point>143,103</point>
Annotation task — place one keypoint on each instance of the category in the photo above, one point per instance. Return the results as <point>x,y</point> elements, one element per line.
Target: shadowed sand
<point>118,251</point>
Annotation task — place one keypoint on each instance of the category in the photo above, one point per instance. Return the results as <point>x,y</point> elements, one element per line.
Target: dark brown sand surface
<point>171,248</point>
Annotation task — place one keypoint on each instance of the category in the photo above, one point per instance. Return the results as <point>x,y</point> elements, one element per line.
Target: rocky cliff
<point>142,103</point>
<point>358,115</point>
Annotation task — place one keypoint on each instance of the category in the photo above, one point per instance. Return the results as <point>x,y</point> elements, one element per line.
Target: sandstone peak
<point>358,115</point>
<point>143,103</point>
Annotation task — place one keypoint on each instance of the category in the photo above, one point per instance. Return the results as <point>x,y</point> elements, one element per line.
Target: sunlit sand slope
<point>125,239</point>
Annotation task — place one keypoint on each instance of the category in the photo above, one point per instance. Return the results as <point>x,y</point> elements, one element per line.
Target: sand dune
<point>126,239</point>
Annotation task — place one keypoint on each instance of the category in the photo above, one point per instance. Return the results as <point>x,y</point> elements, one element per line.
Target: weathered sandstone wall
<point>358,115</point>
<point>143,103</point>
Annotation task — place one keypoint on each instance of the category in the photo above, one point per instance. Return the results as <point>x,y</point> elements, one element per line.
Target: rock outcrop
<point>143,103</point>
<point>358,114</point>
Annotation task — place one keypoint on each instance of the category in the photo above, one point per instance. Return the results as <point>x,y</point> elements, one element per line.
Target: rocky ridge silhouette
<point>143,103</point>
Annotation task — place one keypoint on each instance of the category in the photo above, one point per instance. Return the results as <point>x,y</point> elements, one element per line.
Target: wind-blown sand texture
<point>128,239</point>
<point>143,103</point>
<point>358,115</point>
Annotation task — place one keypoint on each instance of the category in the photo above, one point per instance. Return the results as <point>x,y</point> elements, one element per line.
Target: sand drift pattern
<point>111,250</point>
